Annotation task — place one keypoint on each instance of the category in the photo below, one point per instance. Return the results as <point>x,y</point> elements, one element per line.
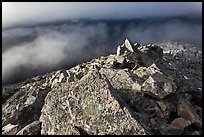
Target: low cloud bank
<point>31,51</point>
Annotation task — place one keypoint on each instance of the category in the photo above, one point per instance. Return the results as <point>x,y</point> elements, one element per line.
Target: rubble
<point>142,89</point>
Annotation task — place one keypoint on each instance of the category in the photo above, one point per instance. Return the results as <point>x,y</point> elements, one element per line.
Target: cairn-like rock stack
<point>142,89</point>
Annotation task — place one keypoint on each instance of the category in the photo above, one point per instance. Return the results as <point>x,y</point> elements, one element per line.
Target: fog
<point>31,49</point>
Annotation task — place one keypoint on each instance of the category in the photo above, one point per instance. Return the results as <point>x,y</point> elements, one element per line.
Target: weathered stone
<point>145,72</point>
<point>153,122</point>
<point>147,107</point>
<point>152,50</point>
<point>142,72</point>
<point>149,54</point>
<point>124,84</point>
<point>167,129</point>
<point>158,85</point>
<point>30,100</point>
<point>23,107</point>
<point>31,129</point>
<point>90,105</point>
<point>161,121</point>
<point>110,60</point>
<point>119,50</point>
<point>120,79</point>
<point>185,110</point>
<point>153,69</point>
<point>126,48</point>
<point>120,59</point>
<point>162,105</point>
<point>9,129</point>
<point>128,45</point>
<point>180,123</point>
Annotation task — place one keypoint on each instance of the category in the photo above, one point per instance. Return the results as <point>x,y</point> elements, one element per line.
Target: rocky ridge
<point>142,89</point>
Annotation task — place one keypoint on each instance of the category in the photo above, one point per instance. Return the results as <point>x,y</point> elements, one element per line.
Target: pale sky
<point>20,13</point>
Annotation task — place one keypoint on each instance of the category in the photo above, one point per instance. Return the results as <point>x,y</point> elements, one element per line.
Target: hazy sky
<point>19,13</point>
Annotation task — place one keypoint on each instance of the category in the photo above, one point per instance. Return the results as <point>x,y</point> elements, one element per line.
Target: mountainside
<point>142,89</point>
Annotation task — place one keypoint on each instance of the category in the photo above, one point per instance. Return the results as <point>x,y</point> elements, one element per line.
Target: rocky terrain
<point>142,89</point>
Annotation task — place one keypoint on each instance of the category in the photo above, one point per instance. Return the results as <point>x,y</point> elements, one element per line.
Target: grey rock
<point>167,129</point>
<point>162,105</point>
<point>121,79</point>
<point>158,85</point>
<point>90,105</point>
<point>23,107</point>
<point>125,48</point>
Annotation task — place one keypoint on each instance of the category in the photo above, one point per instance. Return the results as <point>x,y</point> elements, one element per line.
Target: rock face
<point>142,89</point>
<point>89,107</point>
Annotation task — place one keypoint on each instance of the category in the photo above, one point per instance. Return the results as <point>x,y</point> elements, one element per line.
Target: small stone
<point>162,105</point>
<point>9,129</point>
<point>120,59</point>
<point>180,123</point>
<point>167,129</point>
<point>161,121</point>
<point>31,129</point>
<point>153,122</point>
<point>185,110</point>
<point>30,100</point>
<point>62,78</point>
<point>142,72</point>
<point>195,133</point>
<point>153,69</point>
<point>118,50</point>
<point>136,86</point>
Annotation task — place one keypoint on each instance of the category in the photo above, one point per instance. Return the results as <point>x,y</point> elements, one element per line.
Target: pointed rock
<point>128,45</point>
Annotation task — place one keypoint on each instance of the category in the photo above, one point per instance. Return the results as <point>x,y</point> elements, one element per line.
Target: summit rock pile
<point>142,89</point>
